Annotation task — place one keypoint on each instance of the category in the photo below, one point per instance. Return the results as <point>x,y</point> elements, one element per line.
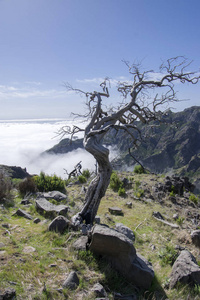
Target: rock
<point>7,294</point>
<point>81,243</point>
<point>129,204</point>
<point>36,220</point>
<point>157,215</point>
<point>72,281</point>
<point>97,220</point>
<point>120,252</point>
<point>115,211</point>
<point>175,216</point>
<point>2,245</point>
<point>25,202</point>
<point>23,213</point>
<point>125,230</point>
<point>58,196</point>
<point>59,224</point>
<point>99,290</point>
<point>195,236</point>
<point>28,249</point>
<point>185,270</point>
<point>45,206</point>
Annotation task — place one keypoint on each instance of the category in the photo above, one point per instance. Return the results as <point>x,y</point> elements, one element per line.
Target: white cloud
<point>8,92</point>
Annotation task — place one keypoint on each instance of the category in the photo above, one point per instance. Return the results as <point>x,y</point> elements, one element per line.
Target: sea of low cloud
<point>22,142</point>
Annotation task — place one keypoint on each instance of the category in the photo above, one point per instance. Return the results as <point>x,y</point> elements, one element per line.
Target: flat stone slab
<point>22,213</point>
<point>115,211</point>
<point>45,206</point>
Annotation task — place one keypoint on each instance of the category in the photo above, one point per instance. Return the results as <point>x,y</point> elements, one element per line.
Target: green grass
<point>31,270</point>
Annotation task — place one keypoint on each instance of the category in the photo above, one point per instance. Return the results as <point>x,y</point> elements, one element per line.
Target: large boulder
<point>185,270</point>
<point>120,252</point>
<point>44,205</point>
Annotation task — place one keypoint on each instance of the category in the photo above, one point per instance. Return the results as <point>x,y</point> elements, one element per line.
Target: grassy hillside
<point>35,262</point>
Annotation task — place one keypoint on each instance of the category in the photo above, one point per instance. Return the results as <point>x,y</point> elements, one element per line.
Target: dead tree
<point>144,99</point>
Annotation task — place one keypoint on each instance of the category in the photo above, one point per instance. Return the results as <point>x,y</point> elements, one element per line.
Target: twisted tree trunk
<point>99,184</point>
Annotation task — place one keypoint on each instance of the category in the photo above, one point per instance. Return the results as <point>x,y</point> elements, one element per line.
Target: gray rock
<point>185,270</point>
<point>80,243</point>
<point>2,245</point>
<point>129,204</point>
<point>118,296</point>
<point>45,206</point>
<point>72,281</point>
<point>23,213</point>
<point>195,236</point>
<point>120,252</point>
<point>58,196</point>
<point>7,294</point>
<point>99,290</point>
<point>36,220</point>
<point>97,220</point>
<point>59,224</point>
<point>125,230</point>
<point>115,211</point>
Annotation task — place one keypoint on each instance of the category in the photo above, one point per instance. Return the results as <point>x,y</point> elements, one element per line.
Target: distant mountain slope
<point>174,144</point>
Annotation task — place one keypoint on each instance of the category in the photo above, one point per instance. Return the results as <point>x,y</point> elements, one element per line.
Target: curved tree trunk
<point>99,184</point>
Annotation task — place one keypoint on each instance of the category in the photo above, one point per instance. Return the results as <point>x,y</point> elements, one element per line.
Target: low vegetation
<point>35,262</point>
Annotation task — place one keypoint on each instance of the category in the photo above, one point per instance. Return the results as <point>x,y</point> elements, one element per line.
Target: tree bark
<point>99,184</point>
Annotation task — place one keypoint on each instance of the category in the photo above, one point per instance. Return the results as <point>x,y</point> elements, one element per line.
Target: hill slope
<point>173,144</point>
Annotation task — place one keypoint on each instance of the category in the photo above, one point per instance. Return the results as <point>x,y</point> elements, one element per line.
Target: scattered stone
<point>175,217</point>
<point>5,226</point>
<point>120,252</point>
<point>185,270</point>
<point>115,211</point>
<point>72,281</point>
<point>25,201</point>
<point>22,213</point>
<point>195,236</point>
<point>125,230</point>
<point>129,204</point>
<point>157,215</point>
<point>28,249</point>
<point>99,290</point>
<point>36,220</point>
<point>97,220</point>
<point>59,224</point>
<point>81,243</point>
<point>7,294</point>
<point>45,206</point>
<point>2,245</point>
<point>52,265</point>
<point>58,196</point>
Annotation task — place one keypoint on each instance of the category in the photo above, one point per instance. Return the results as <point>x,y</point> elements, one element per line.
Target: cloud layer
<point>21,144</point>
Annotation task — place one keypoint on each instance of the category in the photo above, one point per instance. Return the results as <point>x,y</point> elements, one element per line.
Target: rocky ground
<point>38,263</point>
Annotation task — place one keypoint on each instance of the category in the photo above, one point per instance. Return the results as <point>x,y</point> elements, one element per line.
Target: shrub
<point>86,173</point>
<point>26,186</point>
<point>168,255</point>
<point>115,182</point>
<point>121,191</point>
<point>193,198</point>
<point>47,183</point>
<point>138,169</point>
<point>82,179</point>
<point>5,188</point>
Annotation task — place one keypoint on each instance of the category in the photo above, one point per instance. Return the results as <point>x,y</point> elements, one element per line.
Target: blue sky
<point>44,43</point>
